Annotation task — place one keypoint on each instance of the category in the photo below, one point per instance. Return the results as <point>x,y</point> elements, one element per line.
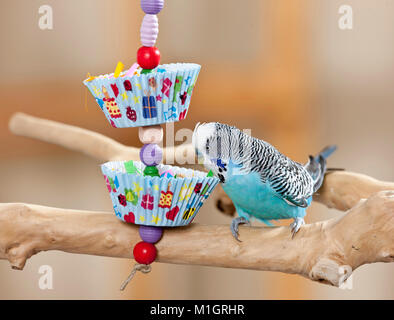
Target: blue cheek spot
<point>220,164</point>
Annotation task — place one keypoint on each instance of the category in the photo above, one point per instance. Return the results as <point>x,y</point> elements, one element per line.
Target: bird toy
<point>146,192</point>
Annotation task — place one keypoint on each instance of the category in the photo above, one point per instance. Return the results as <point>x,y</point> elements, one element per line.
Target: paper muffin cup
<point>157,201</point>
<point>144,99</point>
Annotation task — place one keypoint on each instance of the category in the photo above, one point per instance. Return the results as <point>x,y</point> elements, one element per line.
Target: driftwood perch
<point>326,251</point>
<point>85,141</point>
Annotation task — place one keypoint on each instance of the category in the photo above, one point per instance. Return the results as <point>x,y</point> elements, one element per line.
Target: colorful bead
<point>144,252</point>
<point>146,71</point>
<point>151,154</point>
<point>151,171</point>
<point>151,134</point>
<point>152,6</point>
<point>150,234</point>
<point>149,30</point>
<point>148,57</point>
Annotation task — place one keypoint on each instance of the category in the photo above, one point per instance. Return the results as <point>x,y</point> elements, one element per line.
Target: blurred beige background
<point>282,68</point>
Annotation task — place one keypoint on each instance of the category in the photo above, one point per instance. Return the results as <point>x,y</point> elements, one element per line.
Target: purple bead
<point>151,154</point>
<point>152,6</point>
<point>150,234</point>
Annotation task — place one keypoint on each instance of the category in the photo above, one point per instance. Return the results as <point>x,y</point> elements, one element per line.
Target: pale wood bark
<point>88,142</point>
<point>326,251</point>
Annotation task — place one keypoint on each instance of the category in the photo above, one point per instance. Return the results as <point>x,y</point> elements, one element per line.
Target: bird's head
<point>214,143</point>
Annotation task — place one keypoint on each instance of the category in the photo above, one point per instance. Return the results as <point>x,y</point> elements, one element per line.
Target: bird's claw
<point>235,224</point>
<point>296,225</point>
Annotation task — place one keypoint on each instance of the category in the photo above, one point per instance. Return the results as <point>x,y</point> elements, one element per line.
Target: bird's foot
<point>296,225</point>
<point>234,226</point>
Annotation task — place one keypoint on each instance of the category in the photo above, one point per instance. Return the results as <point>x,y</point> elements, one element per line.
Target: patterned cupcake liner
<point>157,201</point>
<point>144,99</point>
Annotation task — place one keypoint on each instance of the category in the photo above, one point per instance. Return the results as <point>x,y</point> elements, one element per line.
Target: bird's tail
<point>326,152</point>
<point>317,165</point>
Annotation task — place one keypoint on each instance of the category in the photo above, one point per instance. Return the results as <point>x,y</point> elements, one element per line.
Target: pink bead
<point>151,154</point>
<point>149,30</point>
<point>151,134</point>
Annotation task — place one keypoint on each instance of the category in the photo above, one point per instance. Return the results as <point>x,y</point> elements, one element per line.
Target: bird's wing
<point>291,182</point>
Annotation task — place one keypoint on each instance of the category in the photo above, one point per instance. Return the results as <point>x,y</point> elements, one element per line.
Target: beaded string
<point>148,56</point>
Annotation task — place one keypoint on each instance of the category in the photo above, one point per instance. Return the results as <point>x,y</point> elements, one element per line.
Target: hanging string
<point>144,268</point>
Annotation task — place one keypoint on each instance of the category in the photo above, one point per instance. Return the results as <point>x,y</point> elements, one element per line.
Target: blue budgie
<point>261,182</point>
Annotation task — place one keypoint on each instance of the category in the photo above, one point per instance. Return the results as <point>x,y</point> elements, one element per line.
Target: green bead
<point>145,71</point>
<point>210,173</point>
<point>151,171</point>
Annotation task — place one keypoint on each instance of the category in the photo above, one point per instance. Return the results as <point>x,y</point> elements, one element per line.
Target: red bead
<point>144,252</point>
<point>148,57</point>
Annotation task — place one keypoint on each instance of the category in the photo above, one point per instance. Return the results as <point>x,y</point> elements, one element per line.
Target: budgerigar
<point>261,181</point>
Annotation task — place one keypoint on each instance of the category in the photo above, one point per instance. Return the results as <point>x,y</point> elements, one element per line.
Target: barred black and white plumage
<point>289,178</point>
<point>235,156</point>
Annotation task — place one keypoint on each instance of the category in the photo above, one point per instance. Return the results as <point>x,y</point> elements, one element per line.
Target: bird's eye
<point>207,146</point>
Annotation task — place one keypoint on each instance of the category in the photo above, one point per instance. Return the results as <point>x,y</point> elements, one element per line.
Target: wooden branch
<point>343,190</point>
<point>325,251</point>
<point>88,142</point>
